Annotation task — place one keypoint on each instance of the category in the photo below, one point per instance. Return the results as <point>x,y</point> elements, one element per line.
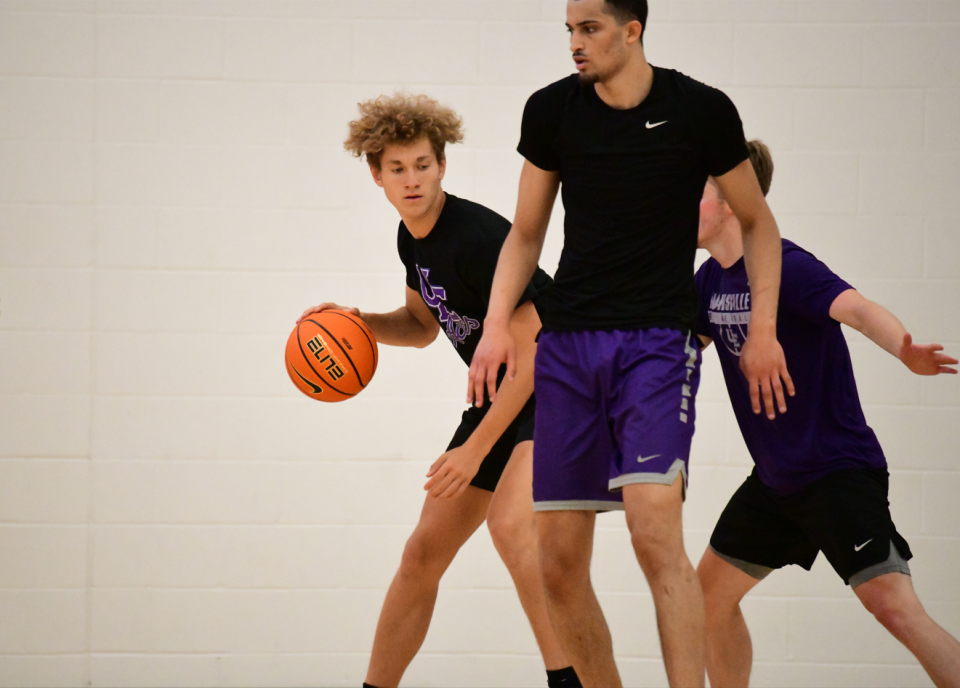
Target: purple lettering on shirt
<point>457,328</point>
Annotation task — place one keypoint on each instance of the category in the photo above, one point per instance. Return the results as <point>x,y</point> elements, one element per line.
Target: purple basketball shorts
<point>613,408</point>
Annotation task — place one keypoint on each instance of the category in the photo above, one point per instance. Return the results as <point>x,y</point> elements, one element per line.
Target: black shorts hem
<point>757,571</point>
<point>495,462</point>
<point>845,515</point>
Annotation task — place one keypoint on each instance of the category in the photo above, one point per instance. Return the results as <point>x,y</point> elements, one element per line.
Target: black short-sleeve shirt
<point>631,184</point>
<point>452,268</point>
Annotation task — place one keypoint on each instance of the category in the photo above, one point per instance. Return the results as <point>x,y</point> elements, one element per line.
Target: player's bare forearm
<point>762,257</point>
<point>399,328</point>
<point>517,262</point>
<point>512,394</point>
<point>869,319</point>
<point>761,360</point>
<point>515,266</point>
<point>451,474</point>
<point>885,330</point>
<point>410,325</point>
<point>762,250</point>
<point>522,248</point>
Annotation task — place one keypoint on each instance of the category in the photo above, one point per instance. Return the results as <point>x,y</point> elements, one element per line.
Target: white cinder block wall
<point>172,195</point>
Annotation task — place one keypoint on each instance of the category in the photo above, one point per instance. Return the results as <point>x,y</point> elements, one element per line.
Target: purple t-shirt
<point>824,429</point>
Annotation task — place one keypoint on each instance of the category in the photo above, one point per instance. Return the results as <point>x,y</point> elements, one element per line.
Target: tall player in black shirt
<point>449,247</point>
<point>616,367</point>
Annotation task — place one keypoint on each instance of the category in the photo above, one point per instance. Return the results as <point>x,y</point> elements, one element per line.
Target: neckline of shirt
<point>591,90</point>
<point>444,211</point>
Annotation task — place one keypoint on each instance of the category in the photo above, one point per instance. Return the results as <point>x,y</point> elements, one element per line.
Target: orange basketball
<point>331,355</point>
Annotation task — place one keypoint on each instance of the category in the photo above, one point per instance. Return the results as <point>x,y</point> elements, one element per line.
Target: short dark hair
<point>627,11</point>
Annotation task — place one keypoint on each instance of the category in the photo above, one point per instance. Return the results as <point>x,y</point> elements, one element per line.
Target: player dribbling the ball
<point>450,247</point>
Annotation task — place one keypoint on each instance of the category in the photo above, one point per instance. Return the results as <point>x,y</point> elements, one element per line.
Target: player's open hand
<point>496,347</point>
<point>451,474</point>
<point>328,307</point>
<point>763,364</point>
<point>925,359</point>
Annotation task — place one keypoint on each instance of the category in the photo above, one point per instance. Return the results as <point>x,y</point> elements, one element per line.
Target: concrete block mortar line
<point>905,406</point>
<point>790,625</point>
<point>250,525</point>
<point>91,505</point>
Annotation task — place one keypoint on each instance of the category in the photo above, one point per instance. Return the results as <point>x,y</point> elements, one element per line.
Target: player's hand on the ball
<point>925,359</point>
<point>451,474</point>
<point>496,347</point>
<point>763,364</point>
<point>326,307</point>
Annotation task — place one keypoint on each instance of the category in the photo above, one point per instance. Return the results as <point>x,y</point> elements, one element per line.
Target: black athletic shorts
<point>520,430</point>
<point>845,515</point>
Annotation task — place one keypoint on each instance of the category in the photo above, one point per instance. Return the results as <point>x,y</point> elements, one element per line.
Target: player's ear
<point>442,164</point>
<point>634,31</point>
<point>376,176</point>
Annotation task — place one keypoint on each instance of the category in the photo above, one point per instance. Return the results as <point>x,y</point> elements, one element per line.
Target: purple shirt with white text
<point>824,429</point>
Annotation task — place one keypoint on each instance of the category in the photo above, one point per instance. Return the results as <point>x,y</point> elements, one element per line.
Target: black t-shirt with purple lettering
<point>824,429</point>
<point>631,183</point>
<point>452,269</point>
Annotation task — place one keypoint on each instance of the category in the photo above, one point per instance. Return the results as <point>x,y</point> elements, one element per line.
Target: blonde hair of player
<point>402,118</point>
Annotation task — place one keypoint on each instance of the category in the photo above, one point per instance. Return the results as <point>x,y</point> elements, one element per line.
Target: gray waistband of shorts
<point>578,505</point>
<point>893,564</point>
<point>753,570</point>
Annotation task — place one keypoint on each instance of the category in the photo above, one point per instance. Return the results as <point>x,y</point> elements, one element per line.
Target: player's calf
<point>892,600</point>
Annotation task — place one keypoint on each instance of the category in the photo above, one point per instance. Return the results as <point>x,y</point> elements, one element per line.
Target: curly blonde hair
<point>401,118</point>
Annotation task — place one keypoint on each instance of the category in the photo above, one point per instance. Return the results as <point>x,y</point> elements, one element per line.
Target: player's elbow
<point>427,337</point>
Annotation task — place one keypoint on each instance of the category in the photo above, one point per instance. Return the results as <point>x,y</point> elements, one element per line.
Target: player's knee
<point>657,553</point>
<point>513,537</point>
<point>718,606</point>
<point>714,591</point>
<point>561,572</point>
<point>889,609</point>
<point>891,615</point>
<point>421,557</point>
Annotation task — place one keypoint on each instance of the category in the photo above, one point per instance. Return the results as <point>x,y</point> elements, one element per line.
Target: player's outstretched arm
<point>452,472</point>
<point>884,328</point>
<point>410,325</point>
<point>517,262</point>
<point>761,359</point>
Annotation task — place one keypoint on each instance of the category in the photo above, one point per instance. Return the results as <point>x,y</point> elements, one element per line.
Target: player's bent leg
<point>891,599</point>
<point>654,517</point>
<point>443,528</point>
<point>513,529</point>
<point>729,651</point>
<point>566,546</point>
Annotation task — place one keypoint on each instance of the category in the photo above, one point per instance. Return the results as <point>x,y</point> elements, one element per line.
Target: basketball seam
<point>363,330</point>
<point>304,354</point>
<point>356,372</point>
